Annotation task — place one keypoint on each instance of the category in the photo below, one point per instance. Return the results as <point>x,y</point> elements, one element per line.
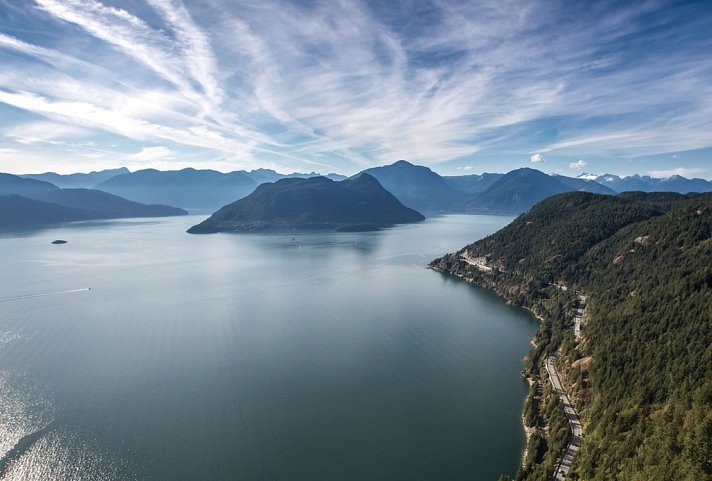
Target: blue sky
<point>338,86</point>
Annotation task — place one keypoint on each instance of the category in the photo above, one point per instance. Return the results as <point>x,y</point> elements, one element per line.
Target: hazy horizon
<point>286,172</point>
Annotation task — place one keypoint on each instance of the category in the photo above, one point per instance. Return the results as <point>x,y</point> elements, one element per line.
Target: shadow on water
<point>22,446</point>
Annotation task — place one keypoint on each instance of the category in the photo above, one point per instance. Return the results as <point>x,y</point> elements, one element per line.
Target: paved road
<point>563,465</point>
<point>580,306</point>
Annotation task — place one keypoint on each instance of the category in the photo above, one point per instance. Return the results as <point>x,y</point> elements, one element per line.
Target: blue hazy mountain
<point>520,189</point>
<point>583,185</point>
<point>192,189</point>
<point>19,211</point>
<point>645,183</point>
<point>421,188</point>
<point>472,183</point>
<point>315,203</point>
<point>106,205</point>
<point>418,187</point>
<point>28,202</point>
<point>197,190</point>
<point>415,186</point>
<point>268,175</point>
<point>12,184</point>
<point>79,180</point>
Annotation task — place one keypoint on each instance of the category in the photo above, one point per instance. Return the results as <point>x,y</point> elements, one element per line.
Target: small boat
<point>59,241</point>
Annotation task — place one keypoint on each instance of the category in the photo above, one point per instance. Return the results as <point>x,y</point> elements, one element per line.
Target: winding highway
<point>563,465</point>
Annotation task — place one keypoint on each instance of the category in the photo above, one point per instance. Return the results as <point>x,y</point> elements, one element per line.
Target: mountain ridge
<point>520,189</point>
<point>416,186</point>
<point>646,183</point>
<point>77,180</point>
<point>27,202</point>
<point>419,187</point>
<point>315,203</point>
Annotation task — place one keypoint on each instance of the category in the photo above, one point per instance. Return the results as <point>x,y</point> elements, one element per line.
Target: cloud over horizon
<point>578,165</point>
<point>683,171</point>
<point>339,86</point>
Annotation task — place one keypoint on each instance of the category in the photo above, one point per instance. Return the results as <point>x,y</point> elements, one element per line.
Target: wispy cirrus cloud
<point>46,132</point>
<point>348,84</point>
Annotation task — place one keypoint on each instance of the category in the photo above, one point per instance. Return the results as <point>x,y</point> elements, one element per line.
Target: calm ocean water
<point>254,357</point>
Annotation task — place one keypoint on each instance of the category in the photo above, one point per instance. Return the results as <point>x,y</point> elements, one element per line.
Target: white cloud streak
<point>152,154</point>
<point>195,45</point>
<point>336,84</point>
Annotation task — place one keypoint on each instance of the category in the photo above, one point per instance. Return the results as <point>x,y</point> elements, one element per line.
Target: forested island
<point>640,373</point>
<point>313,204</point>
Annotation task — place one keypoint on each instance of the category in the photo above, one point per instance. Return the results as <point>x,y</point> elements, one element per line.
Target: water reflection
<point>279,357</point>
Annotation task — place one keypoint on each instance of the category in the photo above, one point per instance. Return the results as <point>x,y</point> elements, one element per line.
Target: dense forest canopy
<point>644,262</point>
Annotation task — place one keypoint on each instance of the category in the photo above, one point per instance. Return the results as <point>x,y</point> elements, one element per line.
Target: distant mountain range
<point>416,186</point>
<point>78,181</point>
<point>645,183</point>
<point>520,189</point>
<point>193,189</point>
<point>316,203</point>
<point>268,175</point>
<point>512,193</point>
<point>197,190</point>
<point>14,185</point>
<point>30,202</point>
<point>473,183</point>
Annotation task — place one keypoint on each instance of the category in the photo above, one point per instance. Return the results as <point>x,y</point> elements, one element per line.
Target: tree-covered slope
<point>651,337</point>
<point>315,203</point>
<point>642,372</point>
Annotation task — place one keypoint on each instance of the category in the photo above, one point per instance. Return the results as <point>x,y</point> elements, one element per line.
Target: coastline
<point>528,432</point>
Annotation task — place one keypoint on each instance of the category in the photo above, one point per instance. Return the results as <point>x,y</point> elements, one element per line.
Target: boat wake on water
<point>43,294</point>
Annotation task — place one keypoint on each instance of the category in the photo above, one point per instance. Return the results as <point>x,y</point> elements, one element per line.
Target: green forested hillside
<point>316,203</point>
<point>642,371</point>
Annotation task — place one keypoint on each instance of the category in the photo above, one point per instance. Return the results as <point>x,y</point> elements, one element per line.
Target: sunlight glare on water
<point>257,357</point>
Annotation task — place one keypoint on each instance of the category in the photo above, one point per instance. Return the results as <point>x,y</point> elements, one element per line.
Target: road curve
<point>563,465</point>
